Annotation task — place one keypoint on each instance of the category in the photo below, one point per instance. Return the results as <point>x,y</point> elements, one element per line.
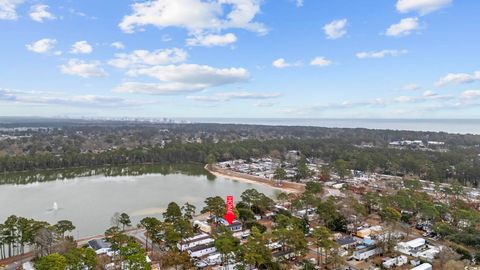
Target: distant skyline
<point>240,58</point>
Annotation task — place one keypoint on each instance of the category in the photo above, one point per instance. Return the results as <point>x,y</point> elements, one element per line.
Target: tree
<point>390,216</point>
<point>172,213</point>
<point>215,206</point>
<point>341,166</point>
<point>255,251</point>
<point>53,261</point>
<point>115,219</point>
<point>325,173</point>
<point>279,174</point>
<point>313,187</point>
<point>152,226</point>
<point>64,226</point>
<point>211,159</point>
<point>188,210</point>
<point>174,258</point>
<point>322,240</point>
<point>81,259</point>
<point>125,220</point>
<point>257,201</point>
<point>303,171</point>
<point>282,197</point>
<point>330,216</point>
<point>227,245</point>
<point>412,184</point>
<point>134,256</point>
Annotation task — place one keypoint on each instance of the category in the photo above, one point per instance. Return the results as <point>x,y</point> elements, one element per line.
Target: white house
<point>428,254</point>
<point>423,266</point>
<point>365,253</point>
<point>412,247</point>
<point>100,246</point>
<point>398,261</point>
<point>199,239</point>
<point>202,250</point>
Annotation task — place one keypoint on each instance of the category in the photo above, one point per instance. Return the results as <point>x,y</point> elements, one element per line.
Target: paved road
<point>140,236</point>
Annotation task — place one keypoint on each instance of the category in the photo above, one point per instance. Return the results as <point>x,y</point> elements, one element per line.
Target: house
<point>423,266</point>
<point>411,247</point>
<point>101,246</point>
<point>203,226</point>
<point>429,253</point>
<point>346,242</point>
<point>199,239</point>
<point>202,250</point>
<point>236,226</point>
<point>283,255</point>
<point>398,261</point>
<point>364,252</point>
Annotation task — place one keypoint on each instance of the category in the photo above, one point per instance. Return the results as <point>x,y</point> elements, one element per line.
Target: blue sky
<point>240,58</point>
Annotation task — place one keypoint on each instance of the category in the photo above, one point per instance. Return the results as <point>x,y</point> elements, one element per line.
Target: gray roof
<point>97,244</point>
<point>201,247</point>
<point>346,241</point>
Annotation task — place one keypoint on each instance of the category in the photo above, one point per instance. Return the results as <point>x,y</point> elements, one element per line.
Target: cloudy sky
<point>240,58</point>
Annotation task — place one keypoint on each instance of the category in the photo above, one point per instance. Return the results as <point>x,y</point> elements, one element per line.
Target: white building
<point>202,250</point>
<point>199,239</point>
<point>365,253</point>
<point>412,247</point>
<point>100,246</point>
<point>423,266</point>
<point>398,261</point>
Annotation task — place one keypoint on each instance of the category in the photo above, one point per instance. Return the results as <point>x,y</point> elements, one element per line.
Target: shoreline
<point>289,187</point>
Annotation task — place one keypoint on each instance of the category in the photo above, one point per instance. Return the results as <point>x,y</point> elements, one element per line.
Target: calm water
<point>91,201</point>
<point>462,126</point>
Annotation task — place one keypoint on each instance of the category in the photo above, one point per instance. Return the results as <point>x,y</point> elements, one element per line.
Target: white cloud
<point>222,97</point>
<point>8,9</point>
<point>212,40</point>
<point>81,47</point>
<point>193,74</point>
<point>421,6</point>
<point>335,29</point>
<point>458,78</point>
<point>42,45</point>
<point>182,78</point>
<point>263,104</point>
<point>158,88</point>
<point>411,87</point>
<point>380,54</point>
<point>426,96</point>
<point>403,28</point>
<point>53,98</point>
<point>83,69</point>
<point>144,57</point>
<point>320,62</point>
<point>299,3</point>
<point>40,13</point>
<point>281,63</point>
<point>118,45</point>
<point>470,95</point>
<point>194,15</point>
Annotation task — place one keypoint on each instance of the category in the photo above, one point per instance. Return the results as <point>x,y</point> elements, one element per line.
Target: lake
<point>90,201</point>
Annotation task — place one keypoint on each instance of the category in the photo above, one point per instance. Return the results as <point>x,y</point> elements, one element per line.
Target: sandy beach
<point>288,187</point>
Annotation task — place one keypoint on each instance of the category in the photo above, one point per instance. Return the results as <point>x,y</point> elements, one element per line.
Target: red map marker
<point>230,216</point>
